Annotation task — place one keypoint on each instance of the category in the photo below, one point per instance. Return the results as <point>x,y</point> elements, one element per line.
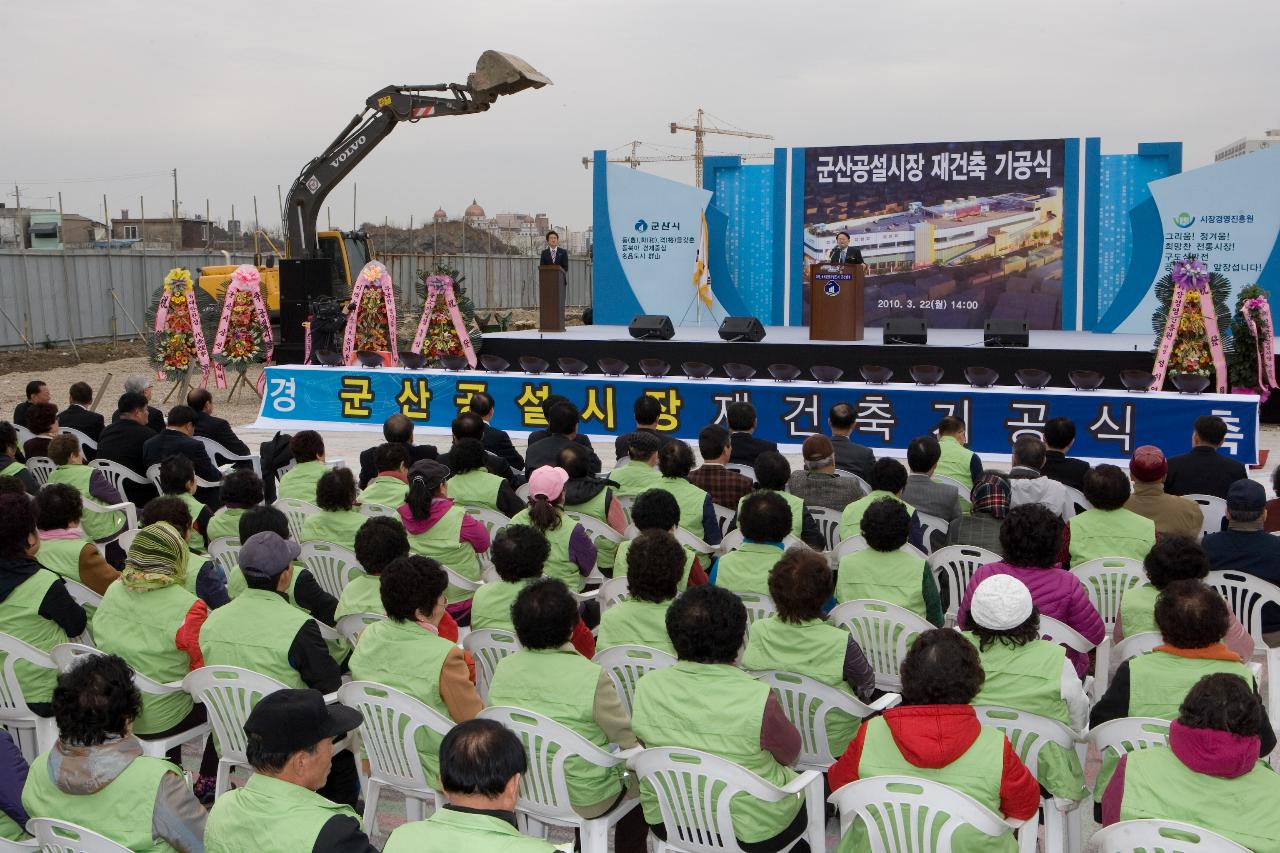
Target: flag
<point>701,269</point>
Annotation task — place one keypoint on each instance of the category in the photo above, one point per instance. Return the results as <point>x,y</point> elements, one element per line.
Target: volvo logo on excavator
<point>348,151</point>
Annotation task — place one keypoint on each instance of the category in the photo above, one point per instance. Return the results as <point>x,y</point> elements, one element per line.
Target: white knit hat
<point>1000,602</point>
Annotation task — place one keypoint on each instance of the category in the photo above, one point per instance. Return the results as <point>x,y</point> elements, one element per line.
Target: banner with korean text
<point>953,233</point>
<point>1110,423</point>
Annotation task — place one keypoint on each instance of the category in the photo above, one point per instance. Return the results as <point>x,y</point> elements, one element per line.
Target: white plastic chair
<point>903,814</point>
<point>297,512</point>
<point>487,647</point>
<point>1246,595</point>
<point>734,539</point>
<point>1029,734</point>
<point>350,626</point>
<point>724,517</point>
<point>32,733</point>
<point>522,492</point>
<point>809,704</point>
<point>859,543</point>
<point>64,655</point>
<point>745,470</point>
<point>1134,645</point>
<point>1162,836</point>
<point>627,663</point>
<point>284,469</point>
<point>391,723</point>
<point>61,836</point>
<point>225,553</point>
<point>828,521</point>
<point>24,434</point>
<point>931,526</point>
<point>85,441</point>
<point>1129,734</point>
<point>377,511</point>
<point>492,520</point>
<point>544,789</point>
<point>125,508</point>
<point>595,528</point>
<point>961,489</point>
<point>698,545</point>
<point>694,790</point>
<point>83,596</point>
<point>216,450</point>
<point>884,631</point>
<point>228,694</point>
<point>1106,580</point>
<point>333,566</point>
<point>956,564</point>
<point>759,606</point>
<point>41,468</point>
<point>1213,509</point>
<point>1078,499</point>
<point>613,591</point>
<point>126,539</point>
<point>28,846</point>
<point>153,475</point>
<point>849,475</point>
<point>117,475</point>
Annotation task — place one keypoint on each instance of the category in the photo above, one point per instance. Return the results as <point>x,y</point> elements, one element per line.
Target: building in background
<point>167,233</point>
<point>50,230</point>
<point>1248,145</point>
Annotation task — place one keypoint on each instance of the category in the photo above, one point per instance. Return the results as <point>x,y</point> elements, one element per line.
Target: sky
<point>106,98</point>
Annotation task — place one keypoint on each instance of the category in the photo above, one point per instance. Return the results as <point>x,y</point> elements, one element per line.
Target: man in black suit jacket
<point>647,410</point>
<point>1204,471</point>
<point>745,447</point>
<point>553,254</point>
<point>562,428</point>
<point>495,440</point>
<point>397,429</point>
<point>843,253</point>
<point>178,440</point>
<point>123,442</point>
<point>208,426</point>
<point>78,417</point>
<point>1059,435</point>
<point>850,456</point>
<point>471,425</point>
<point>37,392</point>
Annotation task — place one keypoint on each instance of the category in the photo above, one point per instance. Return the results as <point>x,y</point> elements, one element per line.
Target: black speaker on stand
<point>302,280</point>
<point>906,330</point>
<point>651,327</point>
<point>736,329</point>
<point>1005,333</point>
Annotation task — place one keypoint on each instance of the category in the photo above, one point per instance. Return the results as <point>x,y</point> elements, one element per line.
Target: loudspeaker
<point>652,327</point>
<point>301,281</point>
<point>906,330</point>
<point>1005,333</point>
<point>741,329</point>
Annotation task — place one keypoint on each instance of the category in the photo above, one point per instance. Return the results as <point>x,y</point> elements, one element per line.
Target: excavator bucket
<point>499,73</point>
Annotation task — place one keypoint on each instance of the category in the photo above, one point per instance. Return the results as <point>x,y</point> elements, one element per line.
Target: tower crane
<point>634,159</point>
<point>699,130</point>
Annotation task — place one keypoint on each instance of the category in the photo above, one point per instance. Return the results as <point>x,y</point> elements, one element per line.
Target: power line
<point>165,173</point>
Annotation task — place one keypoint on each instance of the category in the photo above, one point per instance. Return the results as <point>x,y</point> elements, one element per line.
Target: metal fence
<point>96,295</point>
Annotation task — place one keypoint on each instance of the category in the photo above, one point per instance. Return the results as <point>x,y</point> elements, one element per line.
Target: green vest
<point>475,488</point>
<point>558,564</point>
<point>715,708</point>
<point>814,649</point>
<point>441,543</point>
<point>299,482</point>
<point>491,606</point>
<point>13,469</point>
<point>635,477</point>
<point>1029,678</point>
<point>254,632</point>
<point>20,618</point>
<point>62,556</point>
<point>1159,681</point>
<point>362,595</point>
<point>407,658</point>
<point>691,500</point>
<point>746,568</point>
<point>598,508</point>
<point>140,627</point>
<point>337,527</point>
<point>977,773</point>
<point>96,524</point>
<point>1110,533</point>
<point>268,815</point>
<point>195,507</point>
<point>620,562</point>
<point>560,684</point>
<point>385,491</point>
<point>1157,786</point>
<point>1138,609</point>
<point>122,811</point>
<point>635,622</point>
<point>893,576</point>
<point>851,518</point>
<point>956,461</point>
<point>9,829</point>
<point>225,523</point>
<point>796,505</point>
<point>448,831</point>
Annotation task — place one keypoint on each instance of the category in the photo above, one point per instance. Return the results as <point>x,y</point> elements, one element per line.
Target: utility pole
<point>72,306</point>
<point>255,225</point>
<point>208,223</point>
<point>22,236</point>
<point>177,233</point>
<point>280,201</point>
<point>142,222</point>
<point>235,235</point>
<point>355,223</point>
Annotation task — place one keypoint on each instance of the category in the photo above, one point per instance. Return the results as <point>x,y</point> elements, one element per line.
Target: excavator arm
<point>496,74</point>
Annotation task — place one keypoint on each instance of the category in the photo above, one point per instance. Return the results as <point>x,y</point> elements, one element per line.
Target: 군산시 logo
<point>1184,220</point>
<point>642,226</point>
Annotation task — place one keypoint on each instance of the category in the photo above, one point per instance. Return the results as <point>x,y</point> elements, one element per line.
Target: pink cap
<point>547,481</point>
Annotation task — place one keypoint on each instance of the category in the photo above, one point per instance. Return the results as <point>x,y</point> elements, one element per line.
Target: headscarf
<point>156,559</point>
<point>991,495</point>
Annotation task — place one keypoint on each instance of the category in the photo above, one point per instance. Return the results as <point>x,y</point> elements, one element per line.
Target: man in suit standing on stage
<point>553,254</point>
<point>843,253</point>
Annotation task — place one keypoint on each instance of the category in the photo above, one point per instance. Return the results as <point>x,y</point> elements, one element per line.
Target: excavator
<point>496,74</point>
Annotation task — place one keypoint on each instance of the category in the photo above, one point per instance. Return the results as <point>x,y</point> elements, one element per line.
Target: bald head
<point>398,429</point>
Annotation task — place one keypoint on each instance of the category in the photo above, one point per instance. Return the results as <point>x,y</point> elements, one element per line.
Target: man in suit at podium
<point>553,254</point>
<point>843,253</point>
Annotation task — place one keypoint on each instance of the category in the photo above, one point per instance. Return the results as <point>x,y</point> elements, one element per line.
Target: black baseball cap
<point>291,720</point>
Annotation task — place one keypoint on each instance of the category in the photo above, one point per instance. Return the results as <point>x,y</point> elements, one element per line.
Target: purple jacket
<point>1056,593</point>
<point>13,776</point>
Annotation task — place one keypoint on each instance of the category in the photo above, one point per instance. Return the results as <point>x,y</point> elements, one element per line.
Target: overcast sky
<point>239,95</point>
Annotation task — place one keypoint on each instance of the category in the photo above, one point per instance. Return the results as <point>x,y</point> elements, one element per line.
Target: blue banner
<point>1110,424</point>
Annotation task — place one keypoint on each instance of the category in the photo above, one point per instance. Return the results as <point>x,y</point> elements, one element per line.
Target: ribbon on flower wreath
<point>180,279</point>
<point>1190,274</point>
<point>245,279</point>
<point>437,286</point>
<point>373,274</point>
<point>1263,332</point>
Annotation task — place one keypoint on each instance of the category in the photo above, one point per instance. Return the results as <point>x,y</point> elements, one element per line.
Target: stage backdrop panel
<point>952,232</point>
<point>1110,424</point>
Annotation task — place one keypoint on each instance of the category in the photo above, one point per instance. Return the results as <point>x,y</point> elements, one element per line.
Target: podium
<point>835,301</point>
<point>552,287</point>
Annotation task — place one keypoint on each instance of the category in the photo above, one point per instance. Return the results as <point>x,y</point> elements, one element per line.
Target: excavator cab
<point>348,252</point>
